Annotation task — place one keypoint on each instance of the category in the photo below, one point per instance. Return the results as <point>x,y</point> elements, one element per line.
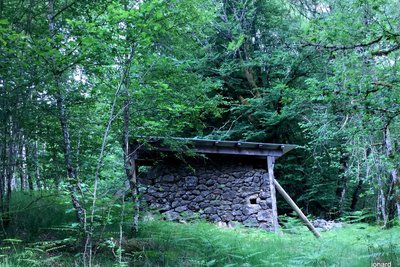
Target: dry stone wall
<point>225,193</point>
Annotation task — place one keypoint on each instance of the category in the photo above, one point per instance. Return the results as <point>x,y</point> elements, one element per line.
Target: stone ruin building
<point>228,182</point>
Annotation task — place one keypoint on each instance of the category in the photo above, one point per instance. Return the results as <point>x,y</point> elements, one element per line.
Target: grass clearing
<point>42,236</point>
<point>203,244</point>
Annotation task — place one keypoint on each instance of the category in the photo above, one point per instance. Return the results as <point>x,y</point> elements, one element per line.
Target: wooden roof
<point>207,146</point>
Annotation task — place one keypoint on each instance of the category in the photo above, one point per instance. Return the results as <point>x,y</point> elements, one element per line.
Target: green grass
<point>40,236</point>
<point>202,244</point>
<point>33,214</point>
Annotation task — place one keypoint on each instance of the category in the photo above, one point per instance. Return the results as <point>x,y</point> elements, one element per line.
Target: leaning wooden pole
<point>290,201</point>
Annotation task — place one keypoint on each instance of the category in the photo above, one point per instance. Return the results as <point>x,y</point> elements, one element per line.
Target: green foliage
<point>26,224</point>
<point>162,243</point>
<point>320,74</point>
<point>203,244</point>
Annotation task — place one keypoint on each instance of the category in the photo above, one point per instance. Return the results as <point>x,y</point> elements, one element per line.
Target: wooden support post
<point>270,163</point>
<point>290,201</point>
<point>131,171</point>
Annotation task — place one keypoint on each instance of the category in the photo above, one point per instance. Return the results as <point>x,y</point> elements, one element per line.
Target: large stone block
<point>226,217</point>
<point>160,206</point>
<point>198,199</point>
<point>264,216</point>
<point>194,206</point>
<point>171,215</point>
<point>251,222</point>
<point>251,209</point>
<point>230,195</point>
<point>264,195</point>
<point>169,178</point>
<point>181,208</point>
<point>215,218</point>
<point>191,182</point>
<point>210,210</point>
<point>176,203</point>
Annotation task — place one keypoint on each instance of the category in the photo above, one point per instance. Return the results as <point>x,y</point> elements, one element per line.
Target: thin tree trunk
<point>344,166</point>
<point>2,176</point>
<point>73,183</point>
<point>25,168</point>
<point>71,173</point>
<point>36,164</point>
<point>23,173</point>
<point>356,192</point>
<point>4,151</point>
<point>395,179</point>
<point>1,8</point>
<point>10,170</point>
<point>355,195</point>
<point>381,207</point>
<point>129,161</point>
<point>89,242</point>
<point>30,16</point>
<point>130,169</point>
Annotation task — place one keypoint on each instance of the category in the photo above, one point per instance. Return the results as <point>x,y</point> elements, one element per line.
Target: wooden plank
<point>290,201</point>
<point>223,147</point>
<point>270,164</point>
<point>237,151</point>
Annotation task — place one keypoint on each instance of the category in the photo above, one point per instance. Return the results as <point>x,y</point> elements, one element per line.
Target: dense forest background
<point>79,78</point>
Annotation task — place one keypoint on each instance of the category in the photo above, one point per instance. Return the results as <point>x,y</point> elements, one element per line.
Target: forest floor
<point>42,233</point>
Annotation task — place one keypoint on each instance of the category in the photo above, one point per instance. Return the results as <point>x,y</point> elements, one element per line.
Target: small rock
<point>251,209</point>
<point>324,225</point>
<point>237,212</point>
<point>227,217</point>
<point>222,224</point>
<point>181,208</point>
<point>264,216</point>
<point>233,224</point>
<point>210,182</point>
<point>191,182</point>
<point>171,215</point>
<point>175,204</point>
<point>209,210</point>
<point>168,178</point>
<point>229,195</point>
<point>251,222</point>
<point>215,218</point>
<point>198,199</point>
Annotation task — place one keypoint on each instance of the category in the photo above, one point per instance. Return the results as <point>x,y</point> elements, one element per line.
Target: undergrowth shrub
<point>43,233</point>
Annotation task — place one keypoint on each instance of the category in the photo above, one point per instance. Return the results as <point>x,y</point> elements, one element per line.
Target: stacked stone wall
<point>219,192</point>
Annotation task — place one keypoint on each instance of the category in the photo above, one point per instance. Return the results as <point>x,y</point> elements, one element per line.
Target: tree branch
<point>344,47</point>
<point>63,9</point>
<point>385,52</point>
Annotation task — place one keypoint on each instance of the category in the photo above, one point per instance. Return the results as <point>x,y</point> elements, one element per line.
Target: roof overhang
<point>207,146</point>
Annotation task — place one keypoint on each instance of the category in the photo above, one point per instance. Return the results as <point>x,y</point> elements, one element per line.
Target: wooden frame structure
<point>262,151</point>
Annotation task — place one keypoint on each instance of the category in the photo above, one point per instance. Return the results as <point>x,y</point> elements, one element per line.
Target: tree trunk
<point>23,173</point>
<point>4,163</point>
<point>73,183</point>
<point>30,16</point>
<point>393,195</point>
<point>1,8</point>
<point>343,187</point>
<point>36,164</point>
<point>130,168</point>
<point>10,171</point>
<point>355,196</point>
<point>2,175</point>
<point>62,116</point>
<point>381,202</point>
<point>129,156</point>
